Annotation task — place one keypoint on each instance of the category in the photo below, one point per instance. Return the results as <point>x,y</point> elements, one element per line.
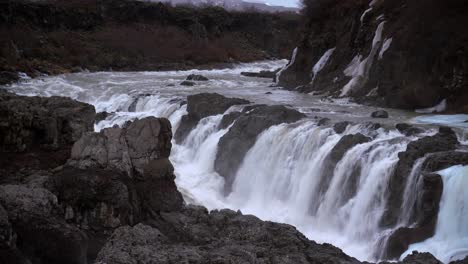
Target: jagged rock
<point>198,78</point>
<point>226,236</point>
<point>233,146</point>
<point>188,83</point>
<point>408,130</point>
<point>203,105</point>
<point>324,121</point>
<point>341,127</point>
<point>94,199</point>
<point>156,188</point>
<point>420,258</point>
<point>424,218</point>
<point>126,149</point>
<point>443,160</point>
<point>261,74</point>
<point>101,116</point>
<point>344,145</point>
<point>229,119</point>
<point>462,261</point>
<point>32,210</point>
<point>8,77</point>
<point>445,140</point>
<point>392,64</point>
<point>379,114</point>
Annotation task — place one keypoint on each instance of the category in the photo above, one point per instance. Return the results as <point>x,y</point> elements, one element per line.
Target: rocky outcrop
<point>261,74</point>
<point>233,146</point>
<point>32,214</point>
<point>408,130</point>
<point>359,49</point>
<point>379,114</point>
<point>39,132</point>
<point>439,154</point>
<point>196,77</point>
<point>203,105</point>
<point>227,236</point>
<point>126,149</point>
<point>445,140</point>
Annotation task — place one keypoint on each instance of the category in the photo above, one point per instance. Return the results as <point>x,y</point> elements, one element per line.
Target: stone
<point>233,146</point>
<point>198,78</point>
<point>203,105</point>
<point>188,83</point>
<point>379,114</point>
<point>341,127</point>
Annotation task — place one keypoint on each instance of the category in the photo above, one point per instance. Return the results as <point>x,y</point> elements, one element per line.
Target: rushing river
<point>281,177</point>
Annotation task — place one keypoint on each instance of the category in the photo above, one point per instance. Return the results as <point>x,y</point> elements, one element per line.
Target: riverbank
<point>55,37</point>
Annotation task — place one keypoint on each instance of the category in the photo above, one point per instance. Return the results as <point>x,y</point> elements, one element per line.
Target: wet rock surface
<point>440,149</point>
<point>203,105</point>
<point>380,114</point>
<point>233,146</point>
<point>198,78</point>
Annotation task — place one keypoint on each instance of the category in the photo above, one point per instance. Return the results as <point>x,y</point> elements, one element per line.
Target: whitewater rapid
<point>284,177</point>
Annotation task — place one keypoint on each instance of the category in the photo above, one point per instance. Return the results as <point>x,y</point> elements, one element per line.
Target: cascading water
<point>284,177</point>
<point>450,241</point>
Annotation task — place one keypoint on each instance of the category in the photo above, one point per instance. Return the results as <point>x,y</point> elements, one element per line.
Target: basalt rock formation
<point>381,52</point>
<point>203,105</point>
<point>241,136</point>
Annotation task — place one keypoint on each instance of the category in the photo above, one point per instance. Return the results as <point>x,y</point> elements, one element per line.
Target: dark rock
<point>425,218</point>
<point>101,116</point>
<point>188,83</point>
<point>420,258</point>
<point>344,145</point>
<point>268,93</point>
<point>126,149</point>
<point>226,236</point>
<point>443,160</point>
<point>8,77</point>
<point>157,189</point>
<point>195,77</point>
<point>372,126</point>
<point>203,105</point>
<point>462,261</point>
<point>261,74</point>
<point>39,132</point>
<point>32,212</point>
<point>228,119</point>
<point>401,81</point>
<point>408,130</point>
<point>233,146</point>
<point>324,121</point>
<point>341,127</point>
<point>445,140</point>
<point>380,114</point>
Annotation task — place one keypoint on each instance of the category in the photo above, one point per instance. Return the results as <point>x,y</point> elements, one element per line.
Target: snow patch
<point>321,63</point>
<point>385,47</point>
<point>435,109</point>
<point>291,62</point>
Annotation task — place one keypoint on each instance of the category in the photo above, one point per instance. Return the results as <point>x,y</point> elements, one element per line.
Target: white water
<point>450,241</point>
<point>321,63</point>
<point>280,178</point>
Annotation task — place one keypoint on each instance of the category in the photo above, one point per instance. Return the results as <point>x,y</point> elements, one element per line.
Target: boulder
<point>126,149</point>
<point>38,132</point>
<point>226,236</point>
<point>379,114</point>
<point>420,258</point>
<point>341,127</point>
<point>408,130</point>
<point>33,212</point>
<point>261,74</point>
<point>188,83</point>
<point>203,105</point>
<point>8,77</point>
<point>339,150</point>
<point>101,116</point>
<point>445,140</point>
<point>198,78</point>
<point>156,188</point>
<point>233,146</point>
<point>324,121</point>
<point>228,119</point>
<point>424,218</point>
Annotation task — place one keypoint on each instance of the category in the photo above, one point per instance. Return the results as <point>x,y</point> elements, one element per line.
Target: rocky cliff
<point>397,53</point>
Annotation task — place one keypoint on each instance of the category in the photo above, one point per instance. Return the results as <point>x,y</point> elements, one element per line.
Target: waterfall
<point>450,241</point>
<point>411,193</point>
